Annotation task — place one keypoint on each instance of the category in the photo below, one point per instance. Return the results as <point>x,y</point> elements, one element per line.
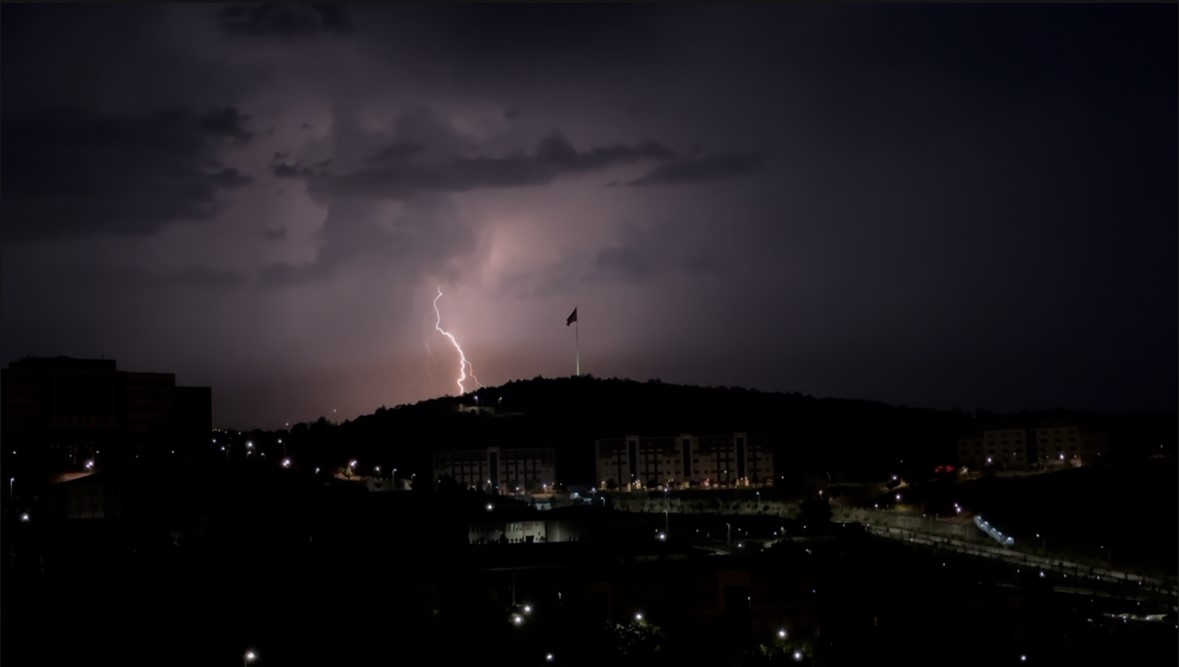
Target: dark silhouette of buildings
<point>62,414</point>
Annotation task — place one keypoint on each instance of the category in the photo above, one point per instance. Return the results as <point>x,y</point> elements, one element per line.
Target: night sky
<point>942,206</point>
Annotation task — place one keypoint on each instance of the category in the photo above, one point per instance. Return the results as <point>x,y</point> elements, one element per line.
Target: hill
<point>839,438</point>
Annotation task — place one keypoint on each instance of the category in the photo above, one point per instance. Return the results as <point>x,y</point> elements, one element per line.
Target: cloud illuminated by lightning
<point>465,367</point>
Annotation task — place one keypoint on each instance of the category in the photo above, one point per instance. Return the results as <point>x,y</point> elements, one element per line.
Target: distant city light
<point>286,463</point>
<point>639,616</point>
<point>782,634</point>
<point>798,656</point>
<point>548,657</point>
<point>24,517</point>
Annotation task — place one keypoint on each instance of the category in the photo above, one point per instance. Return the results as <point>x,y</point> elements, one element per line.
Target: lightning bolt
<point>464,365</point>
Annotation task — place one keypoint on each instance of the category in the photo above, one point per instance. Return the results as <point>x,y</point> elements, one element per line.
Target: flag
<point>572,317</point>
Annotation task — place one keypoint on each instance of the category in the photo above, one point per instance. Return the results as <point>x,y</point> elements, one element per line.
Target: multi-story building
<point>1032,446</point>
<point>1069,445</point>
<point>712,461</point>
<point>61,412</point>
<point>496,470</point>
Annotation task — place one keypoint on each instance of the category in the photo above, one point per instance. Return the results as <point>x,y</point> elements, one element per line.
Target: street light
<point>782,633</point>
<point>249,657</point>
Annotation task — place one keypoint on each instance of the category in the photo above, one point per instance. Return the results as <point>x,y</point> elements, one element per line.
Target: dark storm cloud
<point>284,20</point>
<point>396,151</point>
<point>493,42</point>
<point>640,254</point>
<point>230,178</point>
<point>203,277</point>
<point>707,168</point>
<point>283,165</point>
<point>275,234</point>
<point>297,170</point>
<point>227,122</point>
<point>643,253</point>
<point>73,171</point>
<point>398,174</point>
<point>424,235</point>
<point>102,273</point>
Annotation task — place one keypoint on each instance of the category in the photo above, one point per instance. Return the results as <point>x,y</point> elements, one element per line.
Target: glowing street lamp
<point>249,657</point>
<point>782,633</point>
<point>639,616</point>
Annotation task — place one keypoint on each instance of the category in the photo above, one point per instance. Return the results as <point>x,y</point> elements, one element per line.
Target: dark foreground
<point>348,579</point>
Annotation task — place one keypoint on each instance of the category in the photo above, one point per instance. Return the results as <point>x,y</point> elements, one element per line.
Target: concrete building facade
<point>499,470</point>
<point>684,461</point>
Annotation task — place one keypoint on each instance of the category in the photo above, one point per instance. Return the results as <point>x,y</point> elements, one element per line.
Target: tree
<point>814,510</point>
<point>636,642</point>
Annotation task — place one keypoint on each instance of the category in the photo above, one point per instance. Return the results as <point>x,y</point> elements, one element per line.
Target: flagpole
<point>577,346</point>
